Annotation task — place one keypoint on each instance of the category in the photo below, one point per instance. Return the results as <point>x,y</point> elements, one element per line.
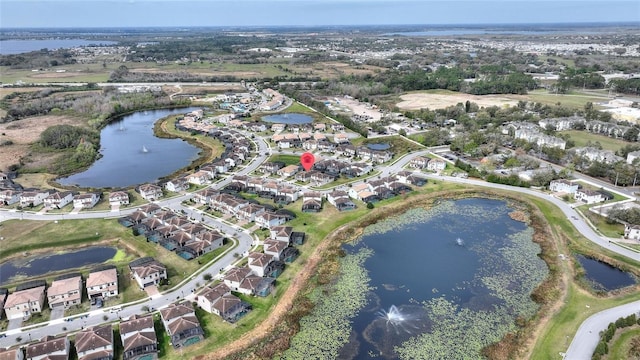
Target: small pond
<point>42,264</point>
<point>604,277</point>
<point>378,146</point>
<point>292,118</point>
<point>131,154</point>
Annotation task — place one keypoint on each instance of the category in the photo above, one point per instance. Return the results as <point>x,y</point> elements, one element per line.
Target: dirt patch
<point>56,75</point>
<point>417,101</point>
<point>23,133</point>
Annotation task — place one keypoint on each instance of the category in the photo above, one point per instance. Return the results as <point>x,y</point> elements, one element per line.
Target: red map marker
<point>307,160</point>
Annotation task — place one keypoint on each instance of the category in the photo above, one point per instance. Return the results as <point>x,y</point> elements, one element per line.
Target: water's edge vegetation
<point>328,270</point>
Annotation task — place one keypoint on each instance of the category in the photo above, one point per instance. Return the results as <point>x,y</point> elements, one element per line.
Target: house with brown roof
<point>234,277</point>
<point>85,201</point>
<point>8,197</point>
<point>12,354</point>
<point>139,338</point>
<point>269,219</point>
<point>23,303</point>
<point>65,292</point>
<point>258,262</point>
<point>288,171</point>
<point>181,324</point>
<point>199,178</point>
<point>147,271</point>
<point>95,343</point>
<point>118,198</point>
<point>102,283</point>
<point>281,233</point>
<point>436,165</point>
<point>33,197</point>
<point>275,248</point>
<point>150,192</point>
<point>49,348</point>
<point>58,200</point>
<point>217,299</point>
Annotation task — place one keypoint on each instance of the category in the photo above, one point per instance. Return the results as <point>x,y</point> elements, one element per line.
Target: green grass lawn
<point>575,99</point>
<point>619,346</point>
<point>581,138</point>
<point>286,159</point>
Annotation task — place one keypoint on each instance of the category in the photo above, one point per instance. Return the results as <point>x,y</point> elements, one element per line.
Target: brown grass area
<point>10,90</point>
<point>25,132</point>
<point>57,75</point>
<point>415,101</point>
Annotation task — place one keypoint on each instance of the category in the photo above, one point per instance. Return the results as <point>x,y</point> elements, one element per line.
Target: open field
<point>438,99</point>
<point>581,138</point>
<point>621,343</point>
<point>25,132</point>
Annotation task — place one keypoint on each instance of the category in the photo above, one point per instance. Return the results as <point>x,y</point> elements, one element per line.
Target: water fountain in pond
<point>459,242</point>
<point>144,149</point>
<point>394,326</point>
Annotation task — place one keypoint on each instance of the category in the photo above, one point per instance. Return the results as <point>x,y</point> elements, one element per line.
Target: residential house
<point>436,165</point>
<point>250,212</point>
<point>102,283</point>
<point>419,162</point>
<point>33,197</point>
<point>590,196</point>
<point>65,292</point>
<point>58,200</point>
<point>271,167</point>
<point>563,186</point>
<point>217,299</point>
<point>210,295</point>
<point>269,219</point>
<point>139,338</point>
<point>632,232</point>
<point>632,156</point>
<point>341,138</point>
<point>234,276</point>
<point>204,196</point>
<point>340,199</point>
<point>181,324</point>
<point>150,192</point>
<point>288,171</point>
<point>95,343</point>
<point>86,201</point>
<point>49,348</point>
<point>12,354</point>
<point>278,127</point>
<point>275,248</point>
<point>177,185</point>
<point>118,198</point>
<point>258,263</point>
<point>281,233</point>
<point>150,209</point>
<point>9,197</point>
<point>199,178</point>
<point>147,271</point>
<point>24,303</point>
<point>256,285</point>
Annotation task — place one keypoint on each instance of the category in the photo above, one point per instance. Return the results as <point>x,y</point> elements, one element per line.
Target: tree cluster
<point>605,336</point>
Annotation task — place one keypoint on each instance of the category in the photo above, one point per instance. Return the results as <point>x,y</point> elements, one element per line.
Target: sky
<point>184,13</point>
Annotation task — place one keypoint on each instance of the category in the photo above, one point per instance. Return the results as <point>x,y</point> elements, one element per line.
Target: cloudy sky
<point>145,13</point>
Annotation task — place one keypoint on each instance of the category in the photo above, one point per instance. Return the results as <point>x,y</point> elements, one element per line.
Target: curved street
<point>581,347</point>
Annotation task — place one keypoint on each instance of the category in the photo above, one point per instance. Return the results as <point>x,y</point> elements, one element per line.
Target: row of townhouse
<point>573,188</point>
<point>337,168</point>
<point>173,231</point>
<point>246,210</point>
<point>342,147</point>
<point>64,292</point>
<point>137,335</point>
<point>280,192</point>
<point>298,140</point>
<point>58,199</point>
<point>422,162</point>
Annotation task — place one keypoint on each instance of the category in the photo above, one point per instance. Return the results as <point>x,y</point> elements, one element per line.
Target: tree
<point>370,205</point>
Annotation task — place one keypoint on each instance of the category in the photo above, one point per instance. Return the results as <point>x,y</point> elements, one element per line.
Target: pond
<point>429,284</point>
<point>604,277</point>
<point>43,264</point>
<point>18,46</point>
<point>131,154</point>
<point>378,146</point>
<point>289,118</point>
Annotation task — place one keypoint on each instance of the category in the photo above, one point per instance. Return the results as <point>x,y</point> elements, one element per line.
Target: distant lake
<point>132,154</point>
<point>8,47</point>
<point>291,118</point>
<point>43,264</point>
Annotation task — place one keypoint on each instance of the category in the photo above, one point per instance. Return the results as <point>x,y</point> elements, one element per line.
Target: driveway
<point>14,324</point>
<point>57,313</point>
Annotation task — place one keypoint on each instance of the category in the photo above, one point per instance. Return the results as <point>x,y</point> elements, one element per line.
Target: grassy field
<point>621,343</point>
<point>286,159</point>
<point>574,99</point>
<point>581,138</point>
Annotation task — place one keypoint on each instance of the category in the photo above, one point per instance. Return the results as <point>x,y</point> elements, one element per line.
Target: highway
<point>581,347</point>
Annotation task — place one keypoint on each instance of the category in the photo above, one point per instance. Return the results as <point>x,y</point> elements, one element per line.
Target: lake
<point>378,146</point>
<point>428,284</point>
<point>131,154</point>
<point>290,118</point>
<point>604,277</point>
<point>43,264</point>
<point>14,46</point>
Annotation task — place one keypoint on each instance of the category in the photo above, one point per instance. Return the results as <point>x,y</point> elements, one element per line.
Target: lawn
<point>286,159</point>
<point>621,343</point>
<point>581,138</point>
<point>575,100</point>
